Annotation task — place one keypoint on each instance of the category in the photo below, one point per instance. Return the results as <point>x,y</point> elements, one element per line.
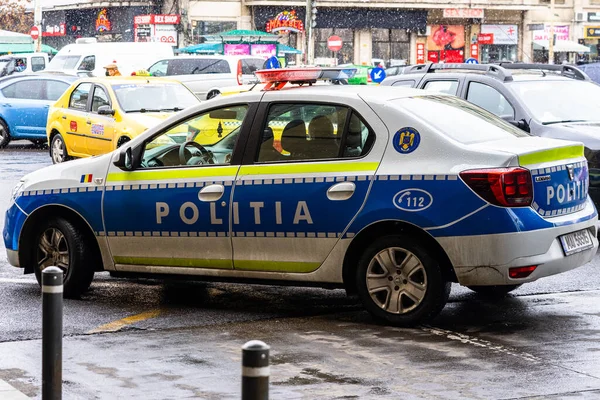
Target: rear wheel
<point>4,135</point>
<point>400,282</point>
<point>61,244</point>
<point>58,149</point>
<point>494,291</point>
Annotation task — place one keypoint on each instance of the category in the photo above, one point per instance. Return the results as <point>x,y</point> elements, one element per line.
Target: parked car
<point>24,103</point>
<point>97,115</point>
<point>555,101</point>
<point>362,76</point>
<point>23,63</point>
<point>206,75</point>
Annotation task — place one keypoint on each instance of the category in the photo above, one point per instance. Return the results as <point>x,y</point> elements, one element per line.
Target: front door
<point>75,119</point>
<point>102,127</point>
<point>309,177</point>
<point>173,210</point>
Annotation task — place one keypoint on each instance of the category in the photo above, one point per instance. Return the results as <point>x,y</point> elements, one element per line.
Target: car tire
<point>60,243</point>
<point>4,135</point>
<point>400,282</point>
<point>494,292</point>
<point>38,142</point>
<point>58,149</point>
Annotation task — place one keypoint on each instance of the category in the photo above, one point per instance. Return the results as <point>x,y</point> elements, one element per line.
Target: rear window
<point>458,119</point>
<point>251,65</point>
<point>190,66</point>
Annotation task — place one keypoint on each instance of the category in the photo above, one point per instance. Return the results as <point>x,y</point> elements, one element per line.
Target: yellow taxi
<point>97,115</point>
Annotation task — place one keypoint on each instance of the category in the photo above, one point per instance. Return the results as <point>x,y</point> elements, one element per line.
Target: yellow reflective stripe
<point>179,173</point>
<point>308,168</point>
<point>561,153</point>
<point>120,324</point>
<point>276,266</point>
<point>175,262</point>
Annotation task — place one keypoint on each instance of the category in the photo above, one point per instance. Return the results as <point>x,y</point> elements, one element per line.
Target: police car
<point>391,194</point>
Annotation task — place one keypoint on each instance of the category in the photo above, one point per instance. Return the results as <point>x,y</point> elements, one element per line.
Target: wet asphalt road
<point>182,340</point>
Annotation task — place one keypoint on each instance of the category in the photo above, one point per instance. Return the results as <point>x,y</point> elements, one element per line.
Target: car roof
<point>210,57</point>
<point>21,76</point>
<point>124,80</point>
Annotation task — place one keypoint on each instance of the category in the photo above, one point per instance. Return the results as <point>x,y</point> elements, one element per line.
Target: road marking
<point>121,323</point>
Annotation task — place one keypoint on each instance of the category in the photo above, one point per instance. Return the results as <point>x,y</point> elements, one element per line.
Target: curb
<point>8,392</point>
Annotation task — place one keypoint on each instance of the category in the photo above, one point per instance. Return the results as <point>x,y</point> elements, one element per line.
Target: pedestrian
<point>112,69</point>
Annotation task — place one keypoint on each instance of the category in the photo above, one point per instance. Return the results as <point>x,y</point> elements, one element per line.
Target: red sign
<point>475,51</point>
<point>463,13</point>
<point>102,21</point>
<point>34,32</point>
<point>157,19</point>
<point>334,43</point>
<point>485,38</point>
<point>420,53</point>
<point>55,30</point>
<point>285,21</point>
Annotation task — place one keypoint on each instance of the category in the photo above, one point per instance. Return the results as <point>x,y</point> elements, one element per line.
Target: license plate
<point>576,242</point>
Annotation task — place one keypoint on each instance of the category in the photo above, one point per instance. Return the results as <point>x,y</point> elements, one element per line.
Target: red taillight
<point>506,187</point>
<point>521,272</point>
<point>239,73</point>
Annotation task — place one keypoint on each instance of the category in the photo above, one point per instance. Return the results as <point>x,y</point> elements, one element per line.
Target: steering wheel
<point>207,155</point>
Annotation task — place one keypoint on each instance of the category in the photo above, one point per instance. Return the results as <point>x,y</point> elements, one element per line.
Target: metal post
<point>551,35</point>
<point>308,32</point>
<point>52,325</point>
<point>37,21</point>
<point>255,370</point>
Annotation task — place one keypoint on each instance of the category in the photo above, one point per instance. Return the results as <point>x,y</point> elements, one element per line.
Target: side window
<point>30,89</point>
<point>160,68</point>
<point>55,89</point>
<point>79,97</point>
<point>100,99</point>
<point>211,67</point>
<point>296,132</point>
<point>20,64</point>
<point>448,87</point>
<point>251,65</point>
<point>38,63</point>
<point>88,63</point>
<point>409,83</point>
<point>489,99</point>
<point>206,139</point>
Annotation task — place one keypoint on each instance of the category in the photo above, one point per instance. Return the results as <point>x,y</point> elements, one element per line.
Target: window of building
<point>200,28</point>
<point>345,55</point>
<point>391,45</point>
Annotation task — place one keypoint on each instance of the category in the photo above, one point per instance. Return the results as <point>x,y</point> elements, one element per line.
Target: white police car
<point>390,194</point>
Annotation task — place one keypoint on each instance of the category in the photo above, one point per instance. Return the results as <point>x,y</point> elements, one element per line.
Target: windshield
<point>458,119</point>
<point>560,101</point>
<point>154,97</point>
<point>63,62</point>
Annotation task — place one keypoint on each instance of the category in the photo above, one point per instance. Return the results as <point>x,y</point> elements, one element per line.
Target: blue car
<point>24,104</point>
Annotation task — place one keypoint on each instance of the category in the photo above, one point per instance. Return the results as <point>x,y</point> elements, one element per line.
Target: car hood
<point>586,132</point>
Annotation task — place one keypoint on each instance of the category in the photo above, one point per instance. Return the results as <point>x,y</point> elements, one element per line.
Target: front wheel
<point>4,135</point>
<point>400,282</point>
<point>494,291</point>
<point>61,244</point>
<point>58,149</point>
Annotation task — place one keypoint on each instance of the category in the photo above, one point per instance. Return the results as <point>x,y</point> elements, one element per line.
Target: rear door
<point>24,108</point>
<point>307,174</point>
<point>491,96</point>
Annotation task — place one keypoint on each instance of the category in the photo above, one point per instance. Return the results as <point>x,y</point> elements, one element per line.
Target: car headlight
<point>17,190</point>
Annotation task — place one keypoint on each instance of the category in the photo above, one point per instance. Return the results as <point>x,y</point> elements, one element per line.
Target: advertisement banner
<point>446,37</point>
<point>263,50</point>
<point>502,34</point>
<point>166,34</point>
<point>561,32</point>
<point>236,49</point>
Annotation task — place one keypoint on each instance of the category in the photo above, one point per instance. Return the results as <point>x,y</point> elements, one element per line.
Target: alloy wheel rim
<point>57,151</point>
<point>53,250</point>
<point>396,280</point>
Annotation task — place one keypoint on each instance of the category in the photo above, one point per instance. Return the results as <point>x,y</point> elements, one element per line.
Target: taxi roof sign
<point>275,79</point>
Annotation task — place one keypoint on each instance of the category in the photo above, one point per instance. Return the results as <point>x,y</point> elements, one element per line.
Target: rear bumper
<point>486,259</point>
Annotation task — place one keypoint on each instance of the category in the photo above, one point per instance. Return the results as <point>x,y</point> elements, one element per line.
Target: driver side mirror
<point>521,124</point>
<point>105,110</point>
<point>124,159</point>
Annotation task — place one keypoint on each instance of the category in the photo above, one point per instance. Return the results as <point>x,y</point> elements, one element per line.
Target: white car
<point>391,194</point>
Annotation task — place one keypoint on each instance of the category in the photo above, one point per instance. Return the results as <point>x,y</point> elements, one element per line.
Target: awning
<point>14,48</point>
<point>206,48</point>
<point>561,46</point>
<point>285,49</point>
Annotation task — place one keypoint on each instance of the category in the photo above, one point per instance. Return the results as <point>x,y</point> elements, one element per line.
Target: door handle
<point>64,117</point>
<point>88,122</point>
<point>341,191</point>
<point>211,193</point>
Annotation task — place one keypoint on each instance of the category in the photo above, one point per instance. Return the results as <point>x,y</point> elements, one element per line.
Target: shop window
<point>391,45</point>
<point>555,1</point>
<point>345,55</point>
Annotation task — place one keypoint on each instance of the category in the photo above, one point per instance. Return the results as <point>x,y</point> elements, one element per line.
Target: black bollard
<point>255,370</point>
<point>52,325</point>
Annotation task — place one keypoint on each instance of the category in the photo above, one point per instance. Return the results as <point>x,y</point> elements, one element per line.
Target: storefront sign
<point>263,50</point>
<point>156,28</point>
<point>475,51</point>
<point>592,32</point>
<point>157,19</point>
<point>446,37</point>
<point>236,49</point>
<point>55,30</point>
<point>502,34</point>
<point>561,32</point>
<point>485,38</point>
<point>420,53</point>
<point>285,21</point>
<point>463,12</point>
<point>102,21</point>
<point>593,17</point>
<point>166,34</point>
